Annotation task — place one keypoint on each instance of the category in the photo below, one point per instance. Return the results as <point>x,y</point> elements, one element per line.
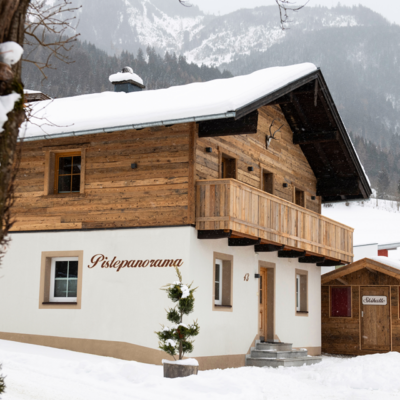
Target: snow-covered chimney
<point>126,81</point>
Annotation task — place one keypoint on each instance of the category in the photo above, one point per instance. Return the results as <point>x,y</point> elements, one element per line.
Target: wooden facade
<point>271,193</point>
<point>368,328</point>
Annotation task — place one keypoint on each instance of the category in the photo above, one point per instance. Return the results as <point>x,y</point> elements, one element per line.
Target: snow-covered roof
<point>193,102</point>
<point>125,76</point>
<point>28,91</point>
<point>387,261</point>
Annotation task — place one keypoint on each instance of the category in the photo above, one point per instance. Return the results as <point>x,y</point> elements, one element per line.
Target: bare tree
<point>285,8</point>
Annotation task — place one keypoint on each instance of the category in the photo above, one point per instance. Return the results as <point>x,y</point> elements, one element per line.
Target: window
<point>218,282</point>
<point>228,167</point>
<point>299,197</point>
<point>64,279</point>
<point>64,172</point>
<point>222,282</point>
<point>68,173</point>
<point>268,182</point>
<point>301,292</point>
<point>61,279</point>
<point>341,301</point>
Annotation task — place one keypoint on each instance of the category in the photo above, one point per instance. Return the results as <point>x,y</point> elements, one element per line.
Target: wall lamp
<point>133,165</point>
<point>312,197</point>
<point>250,169</point>
<point>285,185</point>
<point>208,149</point>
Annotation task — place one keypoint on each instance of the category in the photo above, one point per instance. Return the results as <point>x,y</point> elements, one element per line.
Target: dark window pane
<point>217,272</point>
<point>76,167</point>
<point>61,269</point>
<point>60,288</point>
<point>64,184</point>
<point>260,296</point>
<point>73,269</point>
<point>76,183</point>
<point>260,282</point>
<point>64,165</point>
<point>341,301</point>
<point>216,291</point>
<point>72,284</point>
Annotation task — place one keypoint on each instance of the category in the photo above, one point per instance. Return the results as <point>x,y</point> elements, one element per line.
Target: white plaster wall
<point>128,305</point>
<point>365,251</point>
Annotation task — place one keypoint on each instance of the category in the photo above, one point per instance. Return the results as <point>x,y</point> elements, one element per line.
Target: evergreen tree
<point>175,340</point>
<point>2,384</point>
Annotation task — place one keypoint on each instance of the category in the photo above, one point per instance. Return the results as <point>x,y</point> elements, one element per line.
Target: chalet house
<point>223,179</point>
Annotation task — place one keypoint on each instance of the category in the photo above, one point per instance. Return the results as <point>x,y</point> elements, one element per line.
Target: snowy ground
<point>375,221</point>
<point>36,372</point>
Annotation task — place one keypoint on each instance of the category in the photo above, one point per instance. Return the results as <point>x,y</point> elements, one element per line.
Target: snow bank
<point>125,76</point>
<point>42,373</point>
<point>188,361</point>
<point>111,109</point>
<point>6,105</point>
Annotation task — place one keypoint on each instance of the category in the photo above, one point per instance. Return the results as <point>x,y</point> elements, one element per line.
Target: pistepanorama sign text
<point>100,259</point>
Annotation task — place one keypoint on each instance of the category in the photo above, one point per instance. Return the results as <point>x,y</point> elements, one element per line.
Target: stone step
<point>294,353</point>
<point>282,362</point>
<point>278,346</point>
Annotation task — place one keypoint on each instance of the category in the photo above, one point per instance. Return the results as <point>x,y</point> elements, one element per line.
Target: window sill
<point>59,303</point>
<point>221,306</point>
<point>302,313</point>
<point>63,195</point>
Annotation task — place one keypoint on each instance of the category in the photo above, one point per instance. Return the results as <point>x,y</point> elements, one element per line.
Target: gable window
<point>299,197</point>
<point>301,292</point>
<point>68,173</point>
<point>228,167</point>
<point>222,282</point>
<point>341,301</point>
<point>268,182</point>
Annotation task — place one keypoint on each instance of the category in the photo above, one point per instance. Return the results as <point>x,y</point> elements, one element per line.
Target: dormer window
<point>67,173</point>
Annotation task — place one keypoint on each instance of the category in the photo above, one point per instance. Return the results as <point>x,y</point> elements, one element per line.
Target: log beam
<point>311,259</point>
<point>291,254</point>
<point>214,234</point>
<point>267,248</point>
<point>240,242</point>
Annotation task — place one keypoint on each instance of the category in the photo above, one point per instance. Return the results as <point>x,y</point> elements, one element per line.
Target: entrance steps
<point>276,354</point>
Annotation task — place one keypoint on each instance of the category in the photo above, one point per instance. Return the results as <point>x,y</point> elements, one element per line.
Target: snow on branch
<point>10,53</point>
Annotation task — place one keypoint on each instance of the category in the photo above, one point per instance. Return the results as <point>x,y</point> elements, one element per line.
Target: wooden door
<point>262,317</point>
<point>375,319</point>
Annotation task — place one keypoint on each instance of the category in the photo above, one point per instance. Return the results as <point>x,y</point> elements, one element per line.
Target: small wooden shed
<point>360,308</point>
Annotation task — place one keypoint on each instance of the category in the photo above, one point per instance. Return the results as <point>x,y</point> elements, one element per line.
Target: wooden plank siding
<point>230,204</point>
<point>283,158</point>
<point>114,195</point>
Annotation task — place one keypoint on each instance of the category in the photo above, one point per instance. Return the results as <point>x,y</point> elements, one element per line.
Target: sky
<point>390,9</point>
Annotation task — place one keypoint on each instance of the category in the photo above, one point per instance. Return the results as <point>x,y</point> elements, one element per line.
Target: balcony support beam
<point>330,263</point>
<point>243,242</point>
<point>311,259</point>
<point>290,254</point>
<point>214,234</point>
<point>267,248</point>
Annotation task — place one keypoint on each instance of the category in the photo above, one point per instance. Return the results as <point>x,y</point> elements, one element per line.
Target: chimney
<point>126,81</point>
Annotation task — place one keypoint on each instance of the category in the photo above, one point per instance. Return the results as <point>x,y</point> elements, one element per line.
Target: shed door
<point>262,316</point>
<point>375,318</point>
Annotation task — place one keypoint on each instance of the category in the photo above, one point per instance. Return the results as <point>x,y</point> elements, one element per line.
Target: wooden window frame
<point>227,282</point>
<point>45,280</point>
<point>262,179</point>
<point>222,153</point>
<point>303,196</point>
<point>351,301</point>
<point>51,171</point>
<point>53,279</point>
<point>304,273</point>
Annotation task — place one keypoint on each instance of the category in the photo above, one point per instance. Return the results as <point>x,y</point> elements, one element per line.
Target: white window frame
<point>52,281</point>
<point>219,281</point>
<point>298,291</point>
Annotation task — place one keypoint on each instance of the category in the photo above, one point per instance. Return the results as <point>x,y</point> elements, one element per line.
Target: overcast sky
<point>390,9</point>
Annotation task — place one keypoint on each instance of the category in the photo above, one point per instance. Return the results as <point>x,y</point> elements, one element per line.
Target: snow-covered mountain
<point>117,25</point>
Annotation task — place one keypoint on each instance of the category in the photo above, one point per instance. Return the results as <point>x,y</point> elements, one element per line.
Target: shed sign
<point>374,300</point>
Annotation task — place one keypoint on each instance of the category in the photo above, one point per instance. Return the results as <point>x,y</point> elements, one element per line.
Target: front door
<point>262,316</point>
<point>375,318</point>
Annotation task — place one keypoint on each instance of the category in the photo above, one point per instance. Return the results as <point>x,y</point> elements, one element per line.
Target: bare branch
<point>185,3</point>
<point>285,7</point>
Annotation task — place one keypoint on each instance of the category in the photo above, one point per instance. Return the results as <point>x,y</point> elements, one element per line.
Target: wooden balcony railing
<point>230,204</point>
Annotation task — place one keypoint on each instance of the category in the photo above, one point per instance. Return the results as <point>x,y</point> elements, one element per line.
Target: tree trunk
<point>12,20</point>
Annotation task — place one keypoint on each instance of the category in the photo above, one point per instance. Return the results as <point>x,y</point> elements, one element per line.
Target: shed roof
<point>380,264</point>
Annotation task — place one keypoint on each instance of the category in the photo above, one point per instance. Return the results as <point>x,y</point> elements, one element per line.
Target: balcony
<point>227,204</point>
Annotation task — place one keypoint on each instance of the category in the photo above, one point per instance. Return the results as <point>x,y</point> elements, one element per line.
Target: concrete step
<point>282,362</point>
<point>278,346</point>
<point>295,353</point>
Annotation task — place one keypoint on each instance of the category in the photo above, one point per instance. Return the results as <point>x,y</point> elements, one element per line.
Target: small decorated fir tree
<point>2,384</point>
<point>175,340</point>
